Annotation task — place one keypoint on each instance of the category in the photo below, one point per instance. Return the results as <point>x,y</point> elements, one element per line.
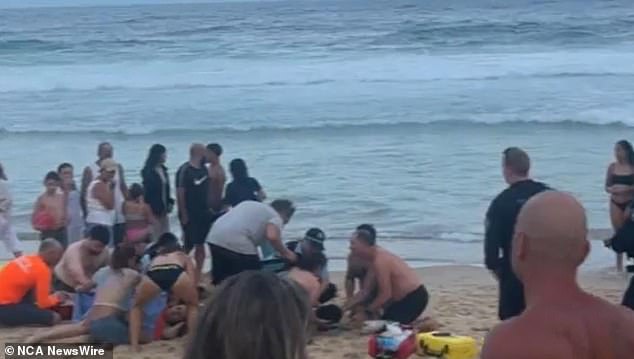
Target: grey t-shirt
<point>243,228</point>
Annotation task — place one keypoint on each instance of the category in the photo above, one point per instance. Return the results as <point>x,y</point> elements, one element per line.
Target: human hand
<point>63,296</point>
<point>86,287</point>
<point>290,256</point>
<point>184,218</point>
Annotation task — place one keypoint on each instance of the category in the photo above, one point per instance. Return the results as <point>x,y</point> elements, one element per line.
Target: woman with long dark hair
<point>242,188</point>
<point>157,188</point>
<point>619,183</point>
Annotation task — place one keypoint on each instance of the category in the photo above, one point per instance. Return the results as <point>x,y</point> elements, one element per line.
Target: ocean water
<point>389,112</point>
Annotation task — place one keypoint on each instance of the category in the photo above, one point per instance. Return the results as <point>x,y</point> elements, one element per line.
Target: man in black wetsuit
<point>500,225</point>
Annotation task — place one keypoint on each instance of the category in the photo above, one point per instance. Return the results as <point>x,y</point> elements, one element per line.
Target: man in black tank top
<point>500,225</point>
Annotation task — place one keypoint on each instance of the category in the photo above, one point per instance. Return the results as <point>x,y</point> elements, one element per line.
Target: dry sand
<point>463,301</point>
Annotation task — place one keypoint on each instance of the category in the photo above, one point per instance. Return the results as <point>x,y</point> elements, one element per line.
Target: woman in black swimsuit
<point>619,183</point>
<point>171,271</point>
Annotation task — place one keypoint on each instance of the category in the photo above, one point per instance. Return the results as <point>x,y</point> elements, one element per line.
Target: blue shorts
<point>112,329</point>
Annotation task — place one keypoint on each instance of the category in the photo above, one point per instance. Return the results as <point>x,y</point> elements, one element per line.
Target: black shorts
<point>409,308</point>
<point>195,233</point>
<point>225,263</point>
<point>14,315</point>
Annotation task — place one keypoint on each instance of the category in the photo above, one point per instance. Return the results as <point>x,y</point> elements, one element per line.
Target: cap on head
<point>517,161</point>
<point>551,229</point>
<point>108,165</point>
<point>316,237</point>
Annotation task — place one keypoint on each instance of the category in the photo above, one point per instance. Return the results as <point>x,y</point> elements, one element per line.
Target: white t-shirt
<point>243,228</point>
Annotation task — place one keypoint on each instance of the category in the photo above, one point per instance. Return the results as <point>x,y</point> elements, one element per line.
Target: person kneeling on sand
<point>305,273</point>
<point>80,262</point>
<point>400,293</point>
<point>253,315</point>
<point>561,320</point>
<point>25,284</point>
<point>170,271</point>
<point>105,321</point>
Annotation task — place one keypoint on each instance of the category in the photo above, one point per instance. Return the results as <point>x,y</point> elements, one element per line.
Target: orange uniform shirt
<point>24,274</point>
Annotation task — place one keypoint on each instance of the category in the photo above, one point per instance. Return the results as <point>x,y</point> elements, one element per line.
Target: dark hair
<point>312,262</point>
<point>100,233</point>
<point>366,237</point>
<point>136,191</point>
<point>121,256</point>
<point>2,174</point>
<point>63,166</point>
<point>215,148</point>
<point>167,243</point>
<point>283,206</point>
<point>517,161</point>
<point>154,156</point>
<point>271,312</point>
<point>629,151</point>
<point>368,228</point>
<point>238,169</point>
<point>52,176</point>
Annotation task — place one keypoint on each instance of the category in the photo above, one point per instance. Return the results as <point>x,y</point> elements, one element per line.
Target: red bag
<point>43,221</point>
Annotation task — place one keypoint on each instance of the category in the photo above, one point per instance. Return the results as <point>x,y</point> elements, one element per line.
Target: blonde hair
<point>253,315</point>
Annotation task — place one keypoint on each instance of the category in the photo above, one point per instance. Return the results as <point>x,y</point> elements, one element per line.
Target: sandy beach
<point>463,301</point>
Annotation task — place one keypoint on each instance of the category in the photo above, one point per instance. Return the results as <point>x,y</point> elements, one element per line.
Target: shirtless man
<point>49,212</point>
<point>400,294</point>
<point>561,321</point>
<point>82,259</point>
<point>217,178</point>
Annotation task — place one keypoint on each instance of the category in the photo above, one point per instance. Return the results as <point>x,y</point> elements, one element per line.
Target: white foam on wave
<point>300,72</point>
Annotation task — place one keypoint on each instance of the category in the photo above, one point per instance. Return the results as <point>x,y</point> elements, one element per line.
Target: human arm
<point>36,209</point>
<point>384,285</point>
<point>74,270</point>
<point>5,198</point>
<point>180,196</point>
<point>274,236</point>
<point>104,193</point>
<point>608,179</point>
<point>492,238</point>
<point>86,178</point>
<point>43,297</point>
<point>259,191</point>
<point>122,184</point>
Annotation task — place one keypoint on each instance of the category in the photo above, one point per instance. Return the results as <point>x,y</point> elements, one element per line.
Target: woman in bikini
<point>171,271</point>
<point>619,183</point>
<point>138,216</point>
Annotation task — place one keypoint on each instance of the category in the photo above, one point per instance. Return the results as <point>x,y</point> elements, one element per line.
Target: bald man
<point>561,321</point>
<point>192,189</point>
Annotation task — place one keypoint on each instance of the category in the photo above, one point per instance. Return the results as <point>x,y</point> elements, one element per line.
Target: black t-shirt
<point>242,190</point>
<point>195,182</point>
<point>501,218</point>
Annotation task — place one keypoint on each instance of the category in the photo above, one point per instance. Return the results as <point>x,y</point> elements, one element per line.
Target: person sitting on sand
<point>258,308</point>
<point>313,242</point>
<point>105,321</point>
<point>79,263</point>
<point>138,216</point>
<point>400,293</point>
<point>561,320</point>
<point>171,271</point>
<point>49,212</point>
<point>235,237</point>
<point>7,232</point>
<point>25,284</point>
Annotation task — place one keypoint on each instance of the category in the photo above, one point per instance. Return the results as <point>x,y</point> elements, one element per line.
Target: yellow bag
<point>446,345</point>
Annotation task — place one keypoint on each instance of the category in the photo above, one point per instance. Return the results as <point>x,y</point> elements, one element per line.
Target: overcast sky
<point>32,3</point>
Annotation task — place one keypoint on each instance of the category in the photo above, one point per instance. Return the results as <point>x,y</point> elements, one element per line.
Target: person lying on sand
<point>25,284</point>
<point>561,320</point>
<point>400,296</point>
<point>105,321</point>
<point>171,271</point>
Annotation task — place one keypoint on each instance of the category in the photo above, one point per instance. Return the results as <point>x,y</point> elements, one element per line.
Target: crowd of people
<point>109,263</point>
